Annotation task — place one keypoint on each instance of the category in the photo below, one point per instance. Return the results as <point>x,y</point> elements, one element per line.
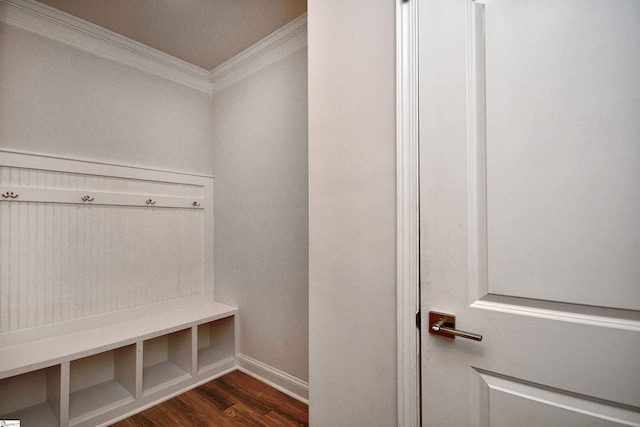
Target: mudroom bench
<point>106,290</point>
<point>97,370</point>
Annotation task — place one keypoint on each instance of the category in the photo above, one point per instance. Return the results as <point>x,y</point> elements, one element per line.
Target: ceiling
<point>205,33</point>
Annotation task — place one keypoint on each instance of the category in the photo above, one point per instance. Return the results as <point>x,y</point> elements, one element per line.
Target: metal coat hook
<point>195,204</point>
<point>151,202</point>
<point>87,199</point>
<point>10,195</point>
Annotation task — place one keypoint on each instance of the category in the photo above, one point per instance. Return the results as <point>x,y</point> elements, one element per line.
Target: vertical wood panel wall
<point>63,259</point>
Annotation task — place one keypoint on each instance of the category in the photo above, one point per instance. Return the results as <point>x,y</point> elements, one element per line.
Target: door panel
<point>511,402</point>
<point>563,144</point>
<point>529,223</point>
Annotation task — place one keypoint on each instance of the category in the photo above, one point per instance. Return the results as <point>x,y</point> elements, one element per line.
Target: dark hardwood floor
<point>235,399</point>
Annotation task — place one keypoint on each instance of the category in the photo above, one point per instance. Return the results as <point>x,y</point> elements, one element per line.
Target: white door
<point>530,211</point>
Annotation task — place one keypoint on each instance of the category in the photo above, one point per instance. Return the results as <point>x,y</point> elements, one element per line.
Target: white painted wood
<point>100,384</point>
<point>91,401</point>
<point>54,24</point>
<point>155,351</point>
<point>37,415</point>
<point>210,357</point>
<point>40,195</point>
<point>55,398</point>
<point>511,401</point>
<point>179,350</point>
<point>580,127</point>
<point>216,342</point>
<point>203,336</point>
<point>139,369</point>
<point>124,368</point>
<point>90,371</point>
<point>17,393</point>
<point>407,206</point>
<point>65,377</point>
<point>160,376</point>
<point>69,169</point>
<point>19,356</point>
<point>32,397</point>
<point>68,259</point>
<point>529,165</point>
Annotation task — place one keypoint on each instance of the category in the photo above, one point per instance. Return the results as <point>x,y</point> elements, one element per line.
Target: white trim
<point>62,27</point>
<point>558,314</point>
<point>286,383</point>
<point>53,24</point>
<point>270,49</point>
<point>82,165</point>
<point>476,155</point>
<point>408,261</point>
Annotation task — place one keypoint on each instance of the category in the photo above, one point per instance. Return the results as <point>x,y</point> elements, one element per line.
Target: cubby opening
<point>216,343</point>
<point>101,382</point>
<point>33,398</point>
<point>167,360</point>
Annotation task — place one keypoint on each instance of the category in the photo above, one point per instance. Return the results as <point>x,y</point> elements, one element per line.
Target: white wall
<point>352,257</point>
<point>261,211</point>
<point>59,100</point>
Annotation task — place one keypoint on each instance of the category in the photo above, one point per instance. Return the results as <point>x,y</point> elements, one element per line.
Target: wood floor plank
<point>233,400</point>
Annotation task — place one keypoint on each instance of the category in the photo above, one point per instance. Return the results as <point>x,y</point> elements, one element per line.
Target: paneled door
<point>530,211</point>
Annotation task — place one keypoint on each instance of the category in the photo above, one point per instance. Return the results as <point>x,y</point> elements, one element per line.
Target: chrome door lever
<point>445,325</point>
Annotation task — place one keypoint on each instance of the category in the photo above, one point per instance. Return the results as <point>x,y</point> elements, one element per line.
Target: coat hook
<point>151,202</point>
<point>10,195</point>
<point>87,199</point>
<point>195,204</point>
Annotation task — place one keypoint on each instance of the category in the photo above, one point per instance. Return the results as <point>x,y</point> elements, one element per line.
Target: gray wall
<point>261,211</point>
<point>352,204</point>
<point>61,101</point>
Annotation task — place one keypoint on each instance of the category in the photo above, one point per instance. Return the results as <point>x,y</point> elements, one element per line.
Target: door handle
<point>445,325</point>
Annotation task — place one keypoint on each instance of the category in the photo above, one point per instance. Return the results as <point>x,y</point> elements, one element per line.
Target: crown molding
<point>56,25</point>
<point>270,49</point>
<point>62,27</point>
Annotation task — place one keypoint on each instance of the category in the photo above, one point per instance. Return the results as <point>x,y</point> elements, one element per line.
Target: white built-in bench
<point>106,290</point>
<point>107,371</point>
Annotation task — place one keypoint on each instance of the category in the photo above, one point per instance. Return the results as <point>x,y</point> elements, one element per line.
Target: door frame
<point>407,217</point>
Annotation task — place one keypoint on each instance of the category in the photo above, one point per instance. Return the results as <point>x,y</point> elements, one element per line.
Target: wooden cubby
<point>167,359</point>
<point>33,397</point>
<point>122,333</point>
<point>216,343</point>
<point>96,376</point>
<point>101,382</point>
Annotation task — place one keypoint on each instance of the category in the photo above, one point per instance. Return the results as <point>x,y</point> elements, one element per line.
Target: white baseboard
<point>286,383</point>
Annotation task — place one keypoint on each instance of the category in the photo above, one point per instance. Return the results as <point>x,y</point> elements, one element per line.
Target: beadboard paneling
<point>69,260</point>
